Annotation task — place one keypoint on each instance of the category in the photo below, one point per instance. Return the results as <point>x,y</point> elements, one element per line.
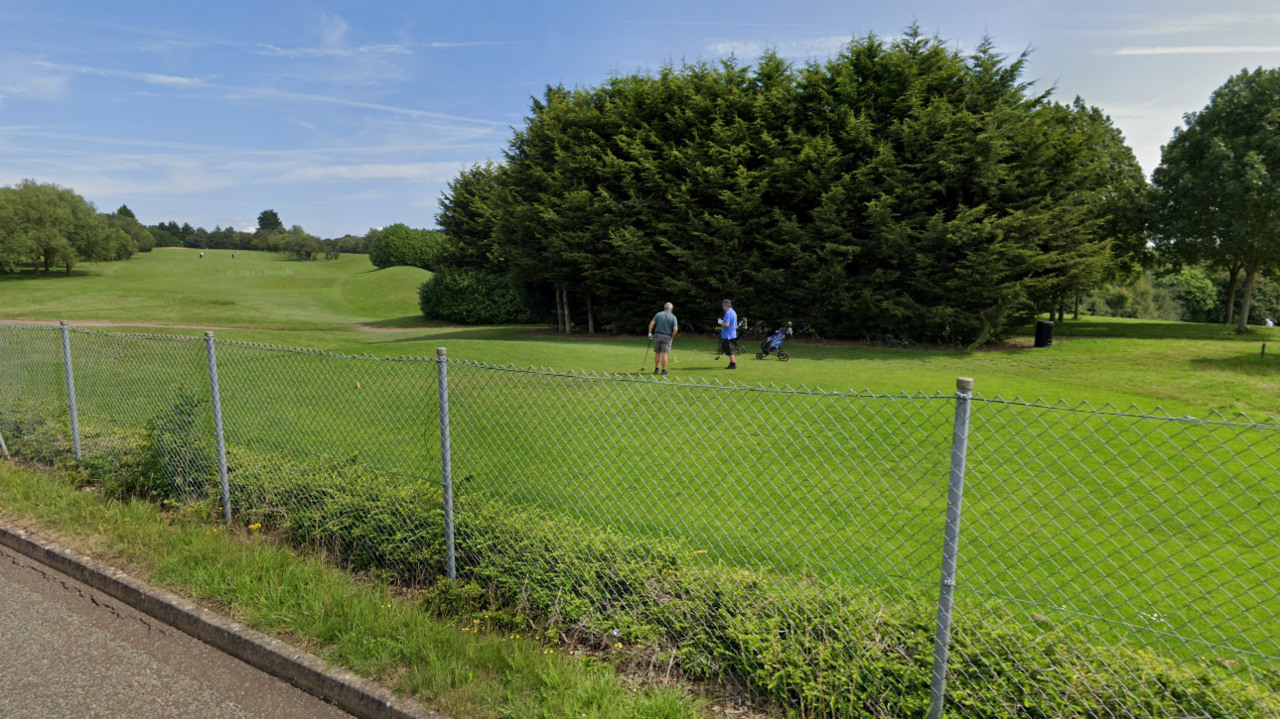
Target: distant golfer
<point>202,255</point>
<point>662,329</point>
<point>728,332</point>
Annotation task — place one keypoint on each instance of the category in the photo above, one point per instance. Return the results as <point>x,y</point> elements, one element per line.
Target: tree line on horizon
<point>270,235</point>
<point>44,225</point>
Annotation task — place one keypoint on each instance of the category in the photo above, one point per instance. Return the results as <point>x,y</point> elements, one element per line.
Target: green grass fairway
<point>270,298</point>
<point>257,289</point>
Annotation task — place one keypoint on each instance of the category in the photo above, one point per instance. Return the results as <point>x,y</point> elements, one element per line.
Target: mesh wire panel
<point>339,451</point>
<point>1153,538</point>
<point>33,395</point>
<point>145,407</point>
<point>796,482</point>
<point>797,524</point>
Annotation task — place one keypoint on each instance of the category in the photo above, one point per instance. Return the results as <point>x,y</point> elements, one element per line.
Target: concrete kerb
<point>311,674</point>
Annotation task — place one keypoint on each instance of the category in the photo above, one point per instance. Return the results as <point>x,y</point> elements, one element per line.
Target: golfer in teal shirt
<point>662,329</point>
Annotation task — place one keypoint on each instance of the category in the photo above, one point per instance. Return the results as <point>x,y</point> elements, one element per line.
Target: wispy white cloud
<point>332,29</point>
<point>365,196</point>
<point>151,78</point>
<point>800,48</point>
<point>1188,24</point>
<point>472,43</point>
<point>330,51</point>
<point>267,93</point>
<point>713,23</point>
<point>403,144</point>
<point>334,60</point>
<point>52,82</point>
<point>171,80</point>
<point>175,170</point>
<point>20,77</point>
<point>1199,50</point>
<point>165,167</point>
<point>427,171</point>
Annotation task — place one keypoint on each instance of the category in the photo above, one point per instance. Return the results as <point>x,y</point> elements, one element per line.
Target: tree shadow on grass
<point>1252,365</point>
<point>54,274</point>
<point>454,332</point>
<point>1119,328</point>
<point>406,322</point>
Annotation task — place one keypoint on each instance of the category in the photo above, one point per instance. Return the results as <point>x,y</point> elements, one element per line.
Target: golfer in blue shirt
<point>728,332</point>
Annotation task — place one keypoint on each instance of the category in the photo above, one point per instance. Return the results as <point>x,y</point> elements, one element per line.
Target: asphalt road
<point>68,651</point>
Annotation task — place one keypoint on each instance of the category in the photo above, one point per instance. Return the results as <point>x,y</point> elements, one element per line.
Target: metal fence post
<point>217,427</point>
<point>446,461</point>
<point>951,546</point>
<point>71,388</point>
<point>4,449</point>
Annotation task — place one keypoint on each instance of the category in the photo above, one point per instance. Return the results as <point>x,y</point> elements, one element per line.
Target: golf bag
<point>773,344</point>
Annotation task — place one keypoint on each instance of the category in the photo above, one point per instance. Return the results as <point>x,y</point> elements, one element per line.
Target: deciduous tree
<point>1218,184</point>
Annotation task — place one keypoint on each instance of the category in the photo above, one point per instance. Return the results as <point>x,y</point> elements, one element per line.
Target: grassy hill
<point>256,289</point>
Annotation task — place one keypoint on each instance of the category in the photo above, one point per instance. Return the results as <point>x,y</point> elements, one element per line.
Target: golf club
<point>645,363</point>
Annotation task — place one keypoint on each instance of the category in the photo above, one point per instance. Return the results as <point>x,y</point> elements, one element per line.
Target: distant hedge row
<point>814,648</point>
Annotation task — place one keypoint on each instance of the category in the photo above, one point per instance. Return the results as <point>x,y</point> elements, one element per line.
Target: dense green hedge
<point>816,648</point>
<point>473,297</point>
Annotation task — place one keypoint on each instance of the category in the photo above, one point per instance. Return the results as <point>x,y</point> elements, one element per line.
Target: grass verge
<point>360,625</point>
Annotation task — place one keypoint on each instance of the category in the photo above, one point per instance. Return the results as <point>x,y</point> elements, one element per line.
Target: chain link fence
<point>784,543</point>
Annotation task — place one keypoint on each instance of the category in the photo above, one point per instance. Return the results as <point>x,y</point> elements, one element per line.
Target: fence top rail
<point>55,327</point>
<point>135,335</point>
<point>697,382</point>
<point>1240,421</point>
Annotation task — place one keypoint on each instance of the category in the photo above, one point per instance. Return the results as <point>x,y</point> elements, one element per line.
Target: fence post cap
<point>208,333</point>
<point>964,384</point>
<point>62,323</point>
<point>441,352</point>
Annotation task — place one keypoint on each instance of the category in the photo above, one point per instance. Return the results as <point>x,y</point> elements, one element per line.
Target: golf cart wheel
<point>759,355</point>
<point>783,356</point>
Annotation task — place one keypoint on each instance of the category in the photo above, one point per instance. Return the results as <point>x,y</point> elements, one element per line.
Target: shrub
<point>400,244</point>
<point>473,297</point>
<point>1195,292</point>
<point>1144,298</point>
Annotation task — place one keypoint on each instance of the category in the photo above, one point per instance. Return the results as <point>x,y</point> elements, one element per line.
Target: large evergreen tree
<point>900,189</point>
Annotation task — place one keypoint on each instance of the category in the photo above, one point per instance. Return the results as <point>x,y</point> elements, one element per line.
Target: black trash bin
<point>1044,333</point>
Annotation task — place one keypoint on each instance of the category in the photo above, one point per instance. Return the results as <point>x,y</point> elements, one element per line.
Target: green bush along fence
<point>831,553</point>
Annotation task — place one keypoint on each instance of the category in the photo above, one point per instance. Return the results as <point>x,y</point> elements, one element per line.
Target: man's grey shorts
<point>661,343</point>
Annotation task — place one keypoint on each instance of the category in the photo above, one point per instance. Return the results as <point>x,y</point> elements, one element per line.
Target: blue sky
<point>343,116</point>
